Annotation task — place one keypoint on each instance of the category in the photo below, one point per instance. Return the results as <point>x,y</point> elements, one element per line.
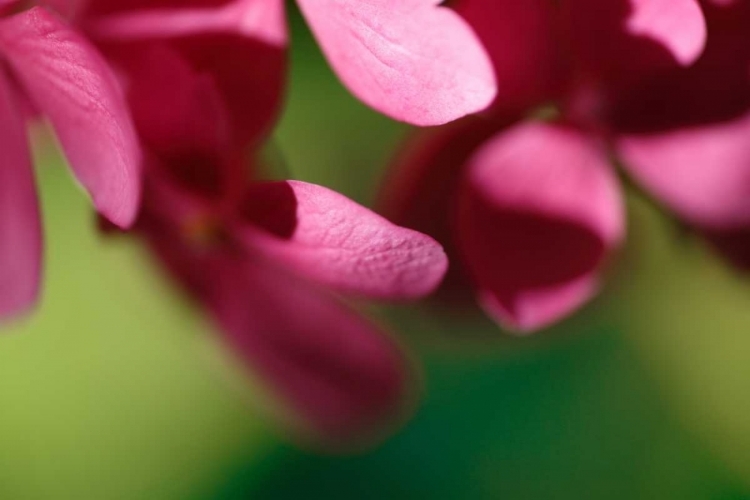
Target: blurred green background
<point>116,388</point>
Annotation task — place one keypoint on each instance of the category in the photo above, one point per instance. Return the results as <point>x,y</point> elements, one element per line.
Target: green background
<point>116,388</point>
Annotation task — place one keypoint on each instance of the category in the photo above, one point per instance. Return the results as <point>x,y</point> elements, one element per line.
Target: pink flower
<point>412,60</point>
<point>54,70</point>
<point>533,210</point>
<point>268,259</point>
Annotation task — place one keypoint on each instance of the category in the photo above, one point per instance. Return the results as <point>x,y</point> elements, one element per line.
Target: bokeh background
<point>116,387</point>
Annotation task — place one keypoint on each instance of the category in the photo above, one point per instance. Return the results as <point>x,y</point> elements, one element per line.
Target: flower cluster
<point>529,196</point>
<point>162,108</point>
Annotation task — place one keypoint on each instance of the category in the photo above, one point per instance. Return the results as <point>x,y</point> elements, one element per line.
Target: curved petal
<point>240,44</point>
<point>20,231</point>
<point>73,86</point>
<point>331,366</point>
<point>539,211</point>
<point>334,241</point>
<point>677,24</point>
<point>716,88</point>
<point>411,60</point>
<point>420,188</point>
<point>624,41</point>
<point>522,40</point>
<point>701,172</point>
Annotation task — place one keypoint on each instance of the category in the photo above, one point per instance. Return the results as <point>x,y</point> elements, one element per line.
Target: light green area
<point>111,389</point>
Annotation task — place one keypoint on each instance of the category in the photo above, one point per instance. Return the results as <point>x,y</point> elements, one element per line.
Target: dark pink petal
<point>182,118</point>
<point>522,38</point>
<point>420,189</point>
<point>716,88</point>
<point>334,241</point>
<point>677,24</point>
<point>73,86</point>
<point>336,370</point>
<point>539,211</point>
<point>733,245</point>
<point>69,9</point>
<point>409,59</point>
<point>240,44</point>
<point>20,232</point>
<point>701,172</point>
<point>259,19</point>
<point>620,42</point>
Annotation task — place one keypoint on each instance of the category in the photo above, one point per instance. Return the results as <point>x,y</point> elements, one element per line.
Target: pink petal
<point>677,24</point>
<point>240,44</point>
<point>262,20</point>
<point>539,211</point>
<point>623,41</point>
<point>329,365</point>
<point>700,172</point>
<point>522,38</point>
<point>71,84</point>
<point>181,117</point>
<point>420,189</point>
<point>20,232</point>
<point>334,241</point>
<point>411,60</point>
<point>715,88</point>
<point>341,374</point>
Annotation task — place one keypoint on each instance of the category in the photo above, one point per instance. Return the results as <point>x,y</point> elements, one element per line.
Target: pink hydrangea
<point>533,208</point>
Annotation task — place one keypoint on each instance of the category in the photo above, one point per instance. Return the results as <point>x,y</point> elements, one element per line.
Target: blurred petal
<point>341,373</point>
<point>677,24</point>
<point>734,245</point>
<point>137,20</point>
<point>522,40</point>
<point>420,189</point>
<point>411,60</point>
<point>701,172</point>
<point>240,44</point>
<point>73,86</point>
<point>20,232</point>
<point>191,139</point>
<point>334,241</point>
<point>716,88</point>
<point>539,211</point>
<point>624,41</point>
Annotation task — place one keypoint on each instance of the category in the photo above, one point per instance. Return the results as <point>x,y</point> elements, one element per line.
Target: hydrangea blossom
<point>533,209</point>
<point>51,69</point>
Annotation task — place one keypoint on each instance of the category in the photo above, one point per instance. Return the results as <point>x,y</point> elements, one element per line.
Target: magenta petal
<point>73,86</point>
<point>409,59</point>
<point>196,127</point>
<point>539,211</point>
<point>230,41</point>
<point>620,43</point>
<point>522,38</point>
<point>20,232</point>
<point>422,183</point>
<point>678,25</point>
<point>334,241</point>
<point>328,364</point>
<point>259,19</point>
<point>701,172</point>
